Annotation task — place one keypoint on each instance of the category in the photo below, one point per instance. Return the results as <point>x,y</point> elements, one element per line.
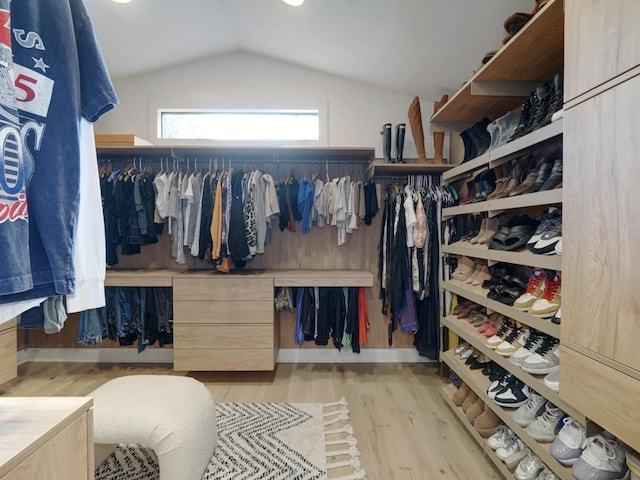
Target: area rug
<point>269,441</point>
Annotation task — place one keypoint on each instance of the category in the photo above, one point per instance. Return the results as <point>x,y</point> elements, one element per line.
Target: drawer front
<point>241,288</point>
<point>223,336</point>
<point>8,355</point>
<point>223,312</point>
<point>210,360</point>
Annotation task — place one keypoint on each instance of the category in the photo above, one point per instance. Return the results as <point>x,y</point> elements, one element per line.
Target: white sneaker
<point>602,459</point>
<point>535,289</point>
<point>567,447</point>
<point>497,440</point>
<point>512,445</point>
<point>533,341</point>
<point>543,429</point>
<point>543,361</point>
<point>529,468</point>
<point>552,380</point>
<point>528,412</point>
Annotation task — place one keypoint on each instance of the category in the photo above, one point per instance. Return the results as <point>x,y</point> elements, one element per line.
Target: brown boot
<point>486,423</point>
<point>461,395</point>
<point>502,177</point>
<point>415,121</point>
<point>475,410</point>
<point>470,400</point>
<point>438,137</point>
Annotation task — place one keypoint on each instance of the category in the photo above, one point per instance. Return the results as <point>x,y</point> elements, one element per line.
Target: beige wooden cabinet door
<point>602,40</point>
<point>601,225</point>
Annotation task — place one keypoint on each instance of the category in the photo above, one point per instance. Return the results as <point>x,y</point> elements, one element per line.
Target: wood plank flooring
<point>404,428</point>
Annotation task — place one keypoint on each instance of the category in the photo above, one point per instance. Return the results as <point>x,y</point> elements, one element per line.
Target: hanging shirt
<point>409,213</point>
<point>318,204</point>
<point>60,77</point>
<point>305,202</point>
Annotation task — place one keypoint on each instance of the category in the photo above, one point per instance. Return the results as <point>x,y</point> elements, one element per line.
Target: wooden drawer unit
<point>224,322</point>
<point>8,351</point>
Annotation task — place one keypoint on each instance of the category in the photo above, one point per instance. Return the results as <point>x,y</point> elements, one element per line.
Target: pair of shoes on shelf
<point>488,229</point>
<point>537,111</point>
<point>548,233</point>
<point>514,234</point>
<point>508,391</point>
<point>542,295</point>
<point>476,139</point>
<point>464,270</point>
<point>603,457</point>
<point>508,289</point>
<point>548,174</point>
<point>479,275</point>
<point>483,185</point>
<point>539,355</point>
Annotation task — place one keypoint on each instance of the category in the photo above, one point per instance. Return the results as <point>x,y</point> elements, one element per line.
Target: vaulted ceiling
<point>417,47</point>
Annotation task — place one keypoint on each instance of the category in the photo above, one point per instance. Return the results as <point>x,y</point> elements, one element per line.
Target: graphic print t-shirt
<point>59,77</point>
<point>15,173</point>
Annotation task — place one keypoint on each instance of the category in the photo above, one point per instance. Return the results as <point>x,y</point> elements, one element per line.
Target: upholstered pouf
<point>174,416</point>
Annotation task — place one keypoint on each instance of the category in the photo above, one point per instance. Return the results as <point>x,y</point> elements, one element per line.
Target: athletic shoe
<point>512,444</point>
<point>549,303</point>
<point>544,428</point>
<point>547,474</point>
<point>544,360</point>
<point>502,332</point>
<point>514,395</point>
<point>567,447</point>
<point>534,340</point>
<point>535,288</point>
<point>529,468</point>
<point>548,240</point>
<point>552,380</point>
<point>512,342</point>
<point>558,248</point>
<point>528,412</point>
<point>498,439</point>
<point>500,384</point>
<point>546,222</point>
<point>602,459</point>
<point>557,318</point>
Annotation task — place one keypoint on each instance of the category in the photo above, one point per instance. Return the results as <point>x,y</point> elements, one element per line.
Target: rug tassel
<point>353,451</point>
<point>354,462</point>
<point>342,402</point>
<point>345,429</point>
<point>350,440</point>
<point>337,412</point>
<point>359,474</point>
<point>338,418</point>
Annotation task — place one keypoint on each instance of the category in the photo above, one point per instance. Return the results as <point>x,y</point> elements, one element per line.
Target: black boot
<point>386,142</point>
<point>400,130</point>
<point>523,122</point>
<point>540,102</point>
<point>469,145</point>
<point>557,98</point>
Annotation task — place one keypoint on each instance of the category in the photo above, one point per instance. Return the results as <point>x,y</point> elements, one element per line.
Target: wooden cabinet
<point>224,322</point>
<point>602,41</point>
<point>601,303</point>
<point>46,438</point>
<point>8,351</point>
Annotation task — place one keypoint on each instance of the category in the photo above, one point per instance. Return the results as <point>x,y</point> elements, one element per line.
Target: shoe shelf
<point>465,330</point>
<point>506,152</point>
<point>380,168</point>
<point>479,296</point>
<point>496,207</point>
<point>479,384</point>
<point>446,392</point>
<point>524,257</point>
<point>532,56</point>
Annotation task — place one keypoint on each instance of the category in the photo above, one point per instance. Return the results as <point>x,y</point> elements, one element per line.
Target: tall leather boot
<point>386,142</point>
<point>415,121</point>
<point>438,137</point>
<point>400,131</point>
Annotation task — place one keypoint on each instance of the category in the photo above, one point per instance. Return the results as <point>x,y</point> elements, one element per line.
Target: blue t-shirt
<point>15,173</point>
<point>59,76</point>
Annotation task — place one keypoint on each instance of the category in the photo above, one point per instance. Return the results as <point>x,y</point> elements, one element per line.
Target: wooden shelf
<point>522,257</point>
<point>251,154</point>
<point>505,152</point>
<point>139,278</point>
<point>495,207</point>
<point>321,278</point>
<point>446,392</point>
<point>533,55</point>
<point>479,295</point>
<point>379,168</point>
<point>479,384</point>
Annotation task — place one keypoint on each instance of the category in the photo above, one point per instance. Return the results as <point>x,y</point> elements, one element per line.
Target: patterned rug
<point>270,441</point>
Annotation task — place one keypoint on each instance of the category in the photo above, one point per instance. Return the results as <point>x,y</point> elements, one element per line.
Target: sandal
<point>519,236</point>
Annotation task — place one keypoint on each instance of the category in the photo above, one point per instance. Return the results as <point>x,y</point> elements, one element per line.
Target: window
<point>240,125</point>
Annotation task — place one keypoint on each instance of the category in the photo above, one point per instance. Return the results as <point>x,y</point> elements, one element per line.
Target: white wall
<point>355,111</point>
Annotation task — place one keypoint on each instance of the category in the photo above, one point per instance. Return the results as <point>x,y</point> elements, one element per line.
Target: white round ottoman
<point>174,416</point>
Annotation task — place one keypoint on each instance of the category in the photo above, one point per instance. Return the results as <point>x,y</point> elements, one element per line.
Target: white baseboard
<point>165,355</point>
<point>366,355</point>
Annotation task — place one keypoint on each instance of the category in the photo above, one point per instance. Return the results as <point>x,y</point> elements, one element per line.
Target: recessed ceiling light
<point>122,1</point>
<point>294,3</point>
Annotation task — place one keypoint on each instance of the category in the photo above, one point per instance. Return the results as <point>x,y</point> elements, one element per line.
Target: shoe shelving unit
<point>479,384</point>
<point>380,168</point>
<point>532,56</point>
<point>446,392</point>
<point>529,59</point>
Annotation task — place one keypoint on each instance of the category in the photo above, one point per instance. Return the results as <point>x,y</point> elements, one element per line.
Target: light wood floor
<point>404,428</point>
